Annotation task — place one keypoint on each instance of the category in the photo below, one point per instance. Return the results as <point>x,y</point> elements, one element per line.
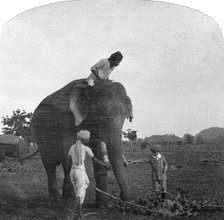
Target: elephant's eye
<point>102,111</point>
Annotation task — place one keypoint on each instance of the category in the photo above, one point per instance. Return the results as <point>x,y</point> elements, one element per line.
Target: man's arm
<point>98,65</point>
<point>94,69</point>
<point>138,161</point>
<point>95,160</point>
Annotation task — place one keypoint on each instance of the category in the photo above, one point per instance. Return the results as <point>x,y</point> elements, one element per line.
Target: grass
<point>200,170</point>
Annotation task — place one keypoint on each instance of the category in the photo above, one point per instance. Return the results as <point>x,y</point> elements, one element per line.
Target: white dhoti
<point>78,174</point>
<point>80,182</point>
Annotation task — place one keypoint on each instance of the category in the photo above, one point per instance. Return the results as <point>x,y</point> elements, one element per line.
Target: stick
<point>144,189</point>
<point>105,193</point>
<point>170,194</point>
<point>213,206</point>
<point>151,191</point>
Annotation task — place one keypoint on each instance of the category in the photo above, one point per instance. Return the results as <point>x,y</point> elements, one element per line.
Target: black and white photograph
<point>111,110</point>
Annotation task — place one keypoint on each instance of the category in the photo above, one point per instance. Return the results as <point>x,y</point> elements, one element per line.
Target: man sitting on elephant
<point>79,178</point>
<point>103,68</point>
<point>100,71</point>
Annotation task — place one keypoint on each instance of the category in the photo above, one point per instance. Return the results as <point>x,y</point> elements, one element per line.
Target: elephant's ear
<point>129,108</point>
<point>78,104</point>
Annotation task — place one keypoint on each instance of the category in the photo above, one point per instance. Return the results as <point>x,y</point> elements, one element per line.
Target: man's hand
<point>106,165</point>
<point>126,163</point>
<point>95,72</point>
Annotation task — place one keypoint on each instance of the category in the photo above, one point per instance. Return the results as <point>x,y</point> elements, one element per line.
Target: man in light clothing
<point>78,176</point>
<point>103,68</point>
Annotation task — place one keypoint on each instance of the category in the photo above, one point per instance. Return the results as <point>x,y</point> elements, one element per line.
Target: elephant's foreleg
<point>101,183</point>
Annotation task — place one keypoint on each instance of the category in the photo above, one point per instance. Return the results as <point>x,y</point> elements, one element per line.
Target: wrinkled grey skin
<point>102,110</point>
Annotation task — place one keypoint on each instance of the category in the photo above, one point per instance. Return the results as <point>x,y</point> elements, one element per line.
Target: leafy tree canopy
<point>188,138</point>
<point>18,123</point>
<point>131,135</point>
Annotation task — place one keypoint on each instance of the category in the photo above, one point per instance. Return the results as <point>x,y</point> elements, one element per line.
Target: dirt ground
<point>196,168</point>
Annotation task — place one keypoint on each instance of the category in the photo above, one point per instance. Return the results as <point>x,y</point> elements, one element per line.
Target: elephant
<point>13,146</point>
<point>101,109</point>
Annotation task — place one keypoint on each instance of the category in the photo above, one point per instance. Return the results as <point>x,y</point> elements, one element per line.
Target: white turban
<point>83,134</point>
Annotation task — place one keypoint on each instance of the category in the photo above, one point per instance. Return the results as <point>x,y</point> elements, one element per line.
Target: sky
<point>172,67</point>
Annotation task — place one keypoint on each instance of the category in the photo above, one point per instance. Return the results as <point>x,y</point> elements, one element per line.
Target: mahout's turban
<point>83,134</point>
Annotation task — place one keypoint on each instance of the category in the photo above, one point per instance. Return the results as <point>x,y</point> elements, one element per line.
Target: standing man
<point>78,176</point>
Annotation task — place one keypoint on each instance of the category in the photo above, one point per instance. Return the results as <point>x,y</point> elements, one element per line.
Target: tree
<point>131,135</point>
<point>188,138</point>
<point>18,123</point>
<point>144,145</point>
<point>199,140</point>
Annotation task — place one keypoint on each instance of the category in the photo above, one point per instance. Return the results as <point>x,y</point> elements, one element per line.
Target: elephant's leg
<point>68,192</point>
<point>51,175</point>
<point>100,152</point>
<point>101,183</point>
<point>46,130</point>
<point>66,143</point>
<point>70,202</point>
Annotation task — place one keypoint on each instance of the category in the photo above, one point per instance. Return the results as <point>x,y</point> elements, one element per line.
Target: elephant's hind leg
<point>67,185</point>
<point>51,175</point>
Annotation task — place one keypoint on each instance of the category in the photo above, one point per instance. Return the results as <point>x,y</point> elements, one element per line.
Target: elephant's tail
<point>29,156</point>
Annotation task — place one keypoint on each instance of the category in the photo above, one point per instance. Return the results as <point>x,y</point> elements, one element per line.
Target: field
<point>197,168</point>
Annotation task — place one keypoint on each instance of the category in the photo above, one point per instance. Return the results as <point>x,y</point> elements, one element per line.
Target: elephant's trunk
<point>114,143</point>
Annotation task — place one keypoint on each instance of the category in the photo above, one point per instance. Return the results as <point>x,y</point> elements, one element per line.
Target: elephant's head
<point>102,110</point>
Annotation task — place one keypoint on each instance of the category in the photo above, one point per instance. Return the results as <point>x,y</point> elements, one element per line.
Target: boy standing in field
<point>159,168</point>
<point>103,68</point>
